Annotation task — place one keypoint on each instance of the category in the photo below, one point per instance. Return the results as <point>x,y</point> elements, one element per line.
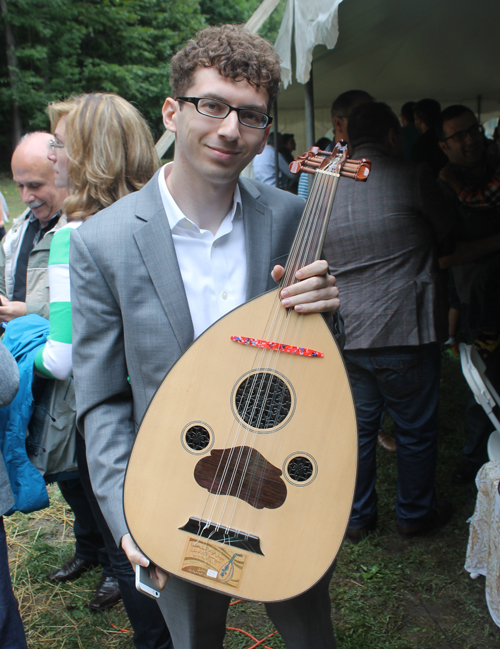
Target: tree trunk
<point>13,66</point>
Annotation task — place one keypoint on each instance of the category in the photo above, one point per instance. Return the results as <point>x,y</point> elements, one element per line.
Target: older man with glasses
<point>471,181</point>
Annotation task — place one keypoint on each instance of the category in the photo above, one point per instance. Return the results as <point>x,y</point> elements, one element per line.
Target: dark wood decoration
<point>244,473</point>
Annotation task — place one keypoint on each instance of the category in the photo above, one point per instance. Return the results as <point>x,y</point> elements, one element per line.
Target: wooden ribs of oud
<point>244,473</point>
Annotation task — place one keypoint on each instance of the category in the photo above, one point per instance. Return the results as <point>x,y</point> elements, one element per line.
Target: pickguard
<point>244,473</point>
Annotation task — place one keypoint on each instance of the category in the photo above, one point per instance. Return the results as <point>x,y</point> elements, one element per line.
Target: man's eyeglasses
<point>54,144</point>
<point>461,136</point>
<point>220,110</point>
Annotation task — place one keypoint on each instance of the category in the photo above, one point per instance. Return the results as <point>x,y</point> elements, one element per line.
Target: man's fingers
<point>133,553</point>
<point>277,273</point>
<point>162,578</point>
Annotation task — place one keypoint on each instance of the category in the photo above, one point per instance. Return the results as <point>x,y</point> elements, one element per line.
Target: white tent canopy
<point>398,50</point>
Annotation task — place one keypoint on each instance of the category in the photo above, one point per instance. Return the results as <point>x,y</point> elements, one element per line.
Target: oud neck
<point>310,237</point>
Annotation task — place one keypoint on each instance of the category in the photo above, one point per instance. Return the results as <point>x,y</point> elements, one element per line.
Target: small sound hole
<point>300,469</point>
<point>197,438</point>
<point>263,400</point>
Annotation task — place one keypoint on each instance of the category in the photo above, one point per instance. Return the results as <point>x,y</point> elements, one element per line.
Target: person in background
<point>264,165</point>
<point>24,256</point>
<point>381,245</point>
<point>24,250</point>
<point>471,183</point>
<point>410,132</point>
<point>426,148</point>
<point>2,225</point>
<point>4,215</point>
<point>303,188</point>
<point>12,634</point>
<point>341,109</point>
<point>102,151</point>
<point>287,147</point>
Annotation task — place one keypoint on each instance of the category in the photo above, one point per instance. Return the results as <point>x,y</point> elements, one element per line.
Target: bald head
<point>33,173</point>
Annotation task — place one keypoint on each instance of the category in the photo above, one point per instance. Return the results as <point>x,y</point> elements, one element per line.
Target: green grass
<point>9,189</point>
<point>387,593</point>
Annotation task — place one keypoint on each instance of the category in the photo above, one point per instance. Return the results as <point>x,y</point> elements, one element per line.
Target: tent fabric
<point>398,51</point>
<point>312,22</point>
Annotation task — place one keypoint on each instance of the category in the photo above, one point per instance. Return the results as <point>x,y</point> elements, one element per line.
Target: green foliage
<point>67,47</point>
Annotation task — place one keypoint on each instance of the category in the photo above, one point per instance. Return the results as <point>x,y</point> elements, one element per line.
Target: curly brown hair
<point>234,52</point>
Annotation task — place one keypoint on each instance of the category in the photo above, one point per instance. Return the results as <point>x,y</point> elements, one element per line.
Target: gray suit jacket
<point>131,316</point>
<point>381,246</point>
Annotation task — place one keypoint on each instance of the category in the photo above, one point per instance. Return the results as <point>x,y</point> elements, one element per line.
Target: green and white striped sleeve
<point>54,359</point>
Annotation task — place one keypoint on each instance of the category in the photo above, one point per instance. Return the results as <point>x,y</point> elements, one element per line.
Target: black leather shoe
<point>70,570</point>
<point>437,519</point>
<point>386,441</point>
<point>106,594</point>
<point>355,535</point>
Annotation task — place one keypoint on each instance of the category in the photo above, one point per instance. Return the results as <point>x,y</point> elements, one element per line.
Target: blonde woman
<point>102,150</point>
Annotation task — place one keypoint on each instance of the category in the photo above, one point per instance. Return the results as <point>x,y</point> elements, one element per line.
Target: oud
<point>242,475</point>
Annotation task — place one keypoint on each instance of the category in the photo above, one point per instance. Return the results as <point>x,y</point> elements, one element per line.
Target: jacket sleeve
<point>103,394</point>
<point>54,359</point>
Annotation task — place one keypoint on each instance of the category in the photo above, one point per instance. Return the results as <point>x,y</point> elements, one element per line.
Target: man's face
<point>216,150</point>
<point>33,173</point>
<point>468,151</point>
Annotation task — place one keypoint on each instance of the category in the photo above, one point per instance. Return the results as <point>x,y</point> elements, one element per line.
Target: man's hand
<point>314,293</point>
<point>135,556</point>
<point>10,310</point>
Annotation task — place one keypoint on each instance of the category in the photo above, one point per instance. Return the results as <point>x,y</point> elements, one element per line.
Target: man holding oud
<point>152,272</point>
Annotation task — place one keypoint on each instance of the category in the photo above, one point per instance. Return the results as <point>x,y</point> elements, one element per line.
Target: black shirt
<point>32,235</point>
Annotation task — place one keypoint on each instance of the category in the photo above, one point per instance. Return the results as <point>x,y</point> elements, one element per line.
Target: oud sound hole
<point>197,438</point>
<point>300,469</point>
<point>263,400</point>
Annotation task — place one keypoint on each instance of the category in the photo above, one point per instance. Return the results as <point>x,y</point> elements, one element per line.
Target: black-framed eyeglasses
<point>220,110</point>
<point>461,136</point>
<point>54,144</point>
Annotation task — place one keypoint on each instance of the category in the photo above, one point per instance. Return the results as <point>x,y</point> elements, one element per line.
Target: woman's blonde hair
<point>111,152</point>
<point>59,109</point>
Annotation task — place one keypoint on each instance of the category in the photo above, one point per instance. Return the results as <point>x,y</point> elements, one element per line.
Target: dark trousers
<point>196,616</point>
<point>150,630</point>
<point>406,380</point>
<point>11,628</point>
<point>89,542</point>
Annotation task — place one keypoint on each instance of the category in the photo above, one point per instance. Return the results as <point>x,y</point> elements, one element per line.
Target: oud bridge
<point>225,535</point>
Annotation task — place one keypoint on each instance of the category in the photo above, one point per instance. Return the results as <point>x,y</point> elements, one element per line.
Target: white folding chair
<point>474,370</point>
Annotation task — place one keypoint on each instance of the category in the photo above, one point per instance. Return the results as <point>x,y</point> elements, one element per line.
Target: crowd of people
<point>119,263</point>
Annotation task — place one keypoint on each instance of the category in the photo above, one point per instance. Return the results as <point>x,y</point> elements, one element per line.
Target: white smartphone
<point>146,581</point>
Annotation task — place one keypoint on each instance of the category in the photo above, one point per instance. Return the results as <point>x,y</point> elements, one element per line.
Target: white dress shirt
<point>213,267</point>
<point>263,166</point>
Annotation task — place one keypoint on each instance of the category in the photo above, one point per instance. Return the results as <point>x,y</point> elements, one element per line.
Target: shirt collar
<point>32,219</point>
<point>174,213</point>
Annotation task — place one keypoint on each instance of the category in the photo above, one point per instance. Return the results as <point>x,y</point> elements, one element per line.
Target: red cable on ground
<point>258,643</point>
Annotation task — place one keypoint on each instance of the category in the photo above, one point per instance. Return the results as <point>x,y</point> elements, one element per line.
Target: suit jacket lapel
<point>257,223</point>
<point>156,245</point>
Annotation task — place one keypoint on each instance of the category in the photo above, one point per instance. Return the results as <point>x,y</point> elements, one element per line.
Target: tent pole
<point>309,115</point>
<point>276,152</point>
<point>309,111</point>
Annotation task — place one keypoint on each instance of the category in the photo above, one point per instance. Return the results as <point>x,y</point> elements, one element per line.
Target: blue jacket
<point>23,337</point>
